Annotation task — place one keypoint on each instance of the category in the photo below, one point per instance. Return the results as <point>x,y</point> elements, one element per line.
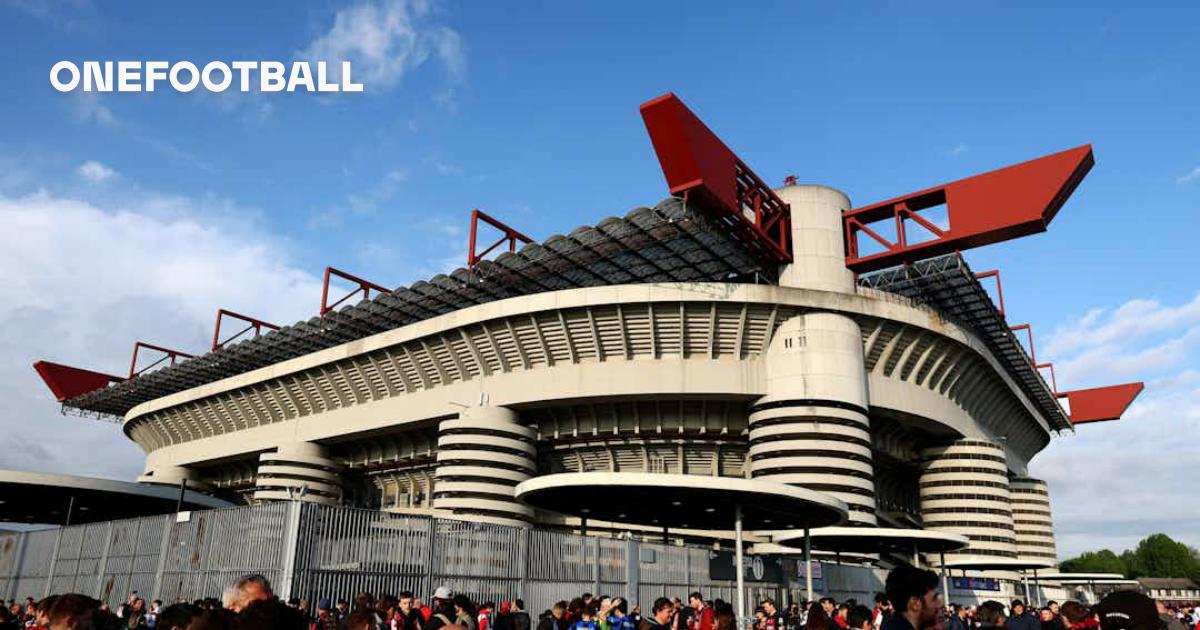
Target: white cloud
<point>387,39</point>
<point>95,172</point>
<point>87,108</point>
<point>85,278</point>
<point>1191,175</point>
<point>957,150</point>
<point>1114,483</point>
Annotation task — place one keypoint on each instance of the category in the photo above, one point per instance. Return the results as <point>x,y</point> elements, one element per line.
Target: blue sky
<point>130,215</point>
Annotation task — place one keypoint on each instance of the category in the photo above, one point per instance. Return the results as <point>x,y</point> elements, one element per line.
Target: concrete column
<point>811,429</point>
<point>818,244</point>
<point>298,471</point>
<point>482,456</point>
<point>964,490</point>
<point>1032,523</point>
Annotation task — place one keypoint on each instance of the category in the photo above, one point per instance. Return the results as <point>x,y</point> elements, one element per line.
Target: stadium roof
<point>949,286</point>
<point>667,243</point>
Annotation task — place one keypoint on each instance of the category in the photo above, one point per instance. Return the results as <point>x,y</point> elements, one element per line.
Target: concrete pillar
<point>1032,523</point>
<point>818,244</point>
<point>482,455</point>
<point>298,471</point>
<point>964,490</point>
<point>811,429</point>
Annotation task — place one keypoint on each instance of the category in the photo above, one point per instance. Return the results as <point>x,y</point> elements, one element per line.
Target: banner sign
<point>975,584</point>
<point>754,568</point>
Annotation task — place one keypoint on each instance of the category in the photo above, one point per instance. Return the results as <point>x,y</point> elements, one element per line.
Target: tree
<point>1103,561</point>
<point>1160,556</point>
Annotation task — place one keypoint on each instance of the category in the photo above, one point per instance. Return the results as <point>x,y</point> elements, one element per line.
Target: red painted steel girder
<point>363,285</point>
<point>67,382</point>
<point>254,324</point>
<point>511,236</point>
<point>168,353</point>
<point>1101,403</point>
<point>996,206</point>
<point>705,172</point>
<point>994,273</point>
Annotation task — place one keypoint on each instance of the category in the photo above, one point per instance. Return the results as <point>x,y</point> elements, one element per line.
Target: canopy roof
<point>30,497</point>
<point>875,540</point>
<point>681,501</point>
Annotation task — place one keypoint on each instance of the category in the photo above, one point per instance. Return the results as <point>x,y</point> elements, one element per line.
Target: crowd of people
<point>911,601</point>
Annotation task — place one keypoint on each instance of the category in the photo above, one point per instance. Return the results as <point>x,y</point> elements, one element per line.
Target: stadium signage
<point>214,76</point>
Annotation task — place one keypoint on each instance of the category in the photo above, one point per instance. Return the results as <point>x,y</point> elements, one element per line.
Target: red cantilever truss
<point>363,285</point>
<point>510,236</point>
<point>1101,403</point>
<point>168,354</point>
<point>996,206</point>
<point>254,324</point>
<point>67,382</point>
<point>701,169</point>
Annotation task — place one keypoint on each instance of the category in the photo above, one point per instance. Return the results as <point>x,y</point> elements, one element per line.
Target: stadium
<point>730,331</point>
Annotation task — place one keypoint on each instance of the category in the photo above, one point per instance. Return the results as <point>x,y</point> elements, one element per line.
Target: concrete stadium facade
<point>814,381</point>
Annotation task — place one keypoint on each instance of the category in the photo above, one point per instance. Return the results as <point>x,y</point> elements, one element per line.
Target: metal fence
<point>310,550</point>
<point>314,551</point>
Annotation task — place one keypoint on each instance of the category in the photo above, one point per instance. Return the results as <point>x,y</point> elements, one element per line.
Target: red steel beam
<point>1053,379</point>
<point>363,285</point>
<point>704,171</point>
<point>168,353</point>
<point>1028,331</point>
<point>996,206</point>
<point>510,236</point>
<point>254,324</point>
<point>67,382</point>
<point>994,273</point>
<point>1101,404</point>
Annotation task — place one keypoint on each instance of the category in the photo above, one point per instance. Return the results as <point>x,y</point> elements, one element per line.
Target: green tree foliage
<point>1103,561</point>
<point>1160,556</point>
<point>1155,556</point>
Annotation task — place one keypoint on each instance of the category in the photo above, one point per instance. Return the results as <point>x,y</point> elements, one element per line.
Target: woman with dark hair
<point>464,612</point>
<point>818,619</point>
<point>723,616</point>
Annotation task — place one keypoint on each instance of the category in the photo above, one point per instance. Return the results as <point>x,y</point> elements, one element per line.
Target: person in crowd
<point>245,591</point>
<point>817,618</point>
<point>587,619</point>
<point>553,618</point>
<point>914,594</point>
<point>485,619</point>
<point>464,612</point>
<point>361,619</point>
<point>1127,610</point>
<point>178,616</point>
<point>660,615</point>
<point>774,620</point>
<point>326,619</point>
<point>443,613</point>
<point>989,615</point>
<point>860,618</point>
<point>702,616</point>
<point>406,615</point>
<point>618,618</point>
<point>1169,620</point>
<point>520,616</point>
<point>269,614</point>
<point>1019,618</point>
<point>341,612</point>
<point>602,606</point>
<point>723,617</point>
<point>883,609</point>
<point>957,619</point>
<point>1076,616</point>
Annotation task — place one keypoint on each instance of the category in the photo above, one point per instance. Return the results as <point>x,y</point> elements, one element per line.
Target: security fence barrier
<point>314,551</point>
